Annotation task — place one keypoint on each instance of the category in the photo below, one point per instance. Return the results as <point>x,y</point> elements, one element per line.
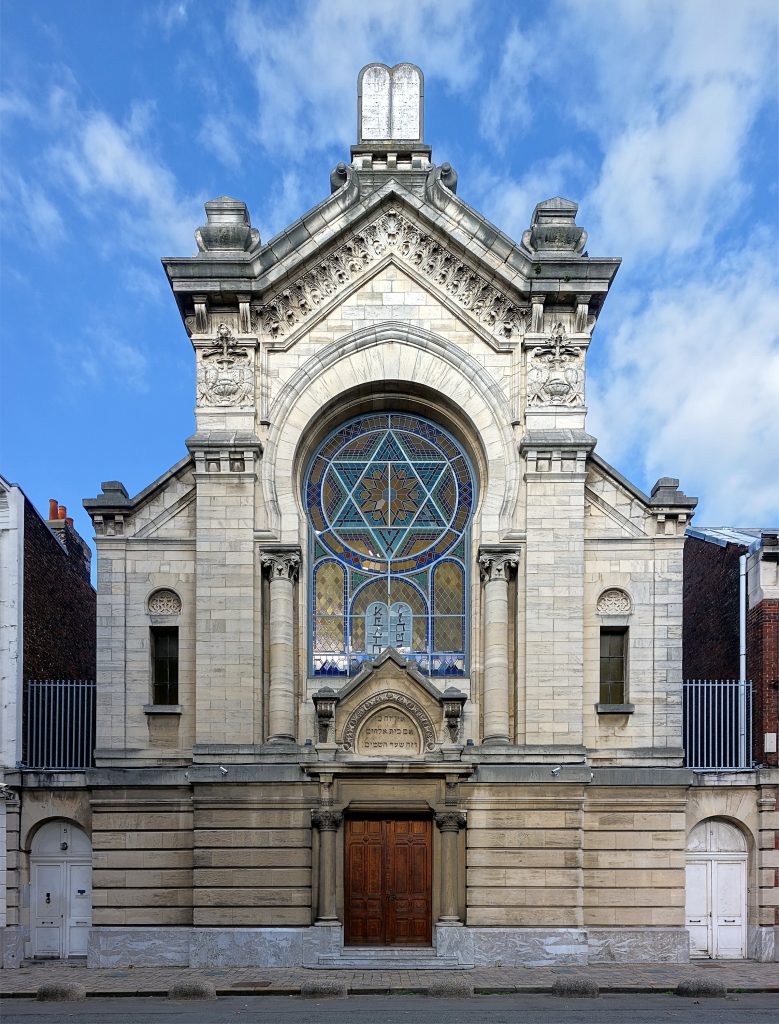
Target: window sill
<point>615,709</point>
<point>162,709</point>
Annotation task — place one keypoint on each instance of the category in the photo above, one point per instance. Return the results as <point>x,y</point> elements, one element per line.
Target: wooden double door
<point>388,881</point>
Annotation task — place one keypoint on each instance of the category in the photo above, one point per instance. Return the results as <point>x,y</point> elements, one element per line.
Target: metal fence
<point>59,723</point>
<point>718,724</point>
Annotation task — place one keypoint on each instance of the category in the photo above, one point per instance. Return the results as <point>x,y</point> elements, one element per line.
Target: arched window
<point>389,499</point>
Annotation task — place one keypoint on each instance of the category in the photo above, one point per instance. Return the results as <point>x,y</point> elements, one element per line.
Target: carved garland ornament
<point>401,700</point>
<point>225,375</point>
<point>614,602</point>
<point>164,602</point>
<point>391,232</point>
<point>556,372</point>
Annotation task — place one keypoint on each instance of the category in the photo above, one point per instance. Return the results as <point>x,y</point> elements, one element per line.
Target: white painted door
<point>48,910</point>
<point>60,891</point>
<point>699,908</point>
<point>716,883</point>
<point>78,909</point>
<point>729,884</point>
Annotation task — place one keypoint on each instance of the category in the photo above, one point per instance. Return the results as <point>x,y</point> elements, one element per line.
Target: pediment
<point>394,232</point>
<point>389,710</point>
<point>612,505</point>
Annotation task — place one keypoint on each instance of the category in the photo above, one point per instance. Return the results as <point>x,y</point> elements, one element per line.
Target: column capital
<point>281,563</point>
<point>497,563</point>
<point>450,821</point>
<point>326,820</point>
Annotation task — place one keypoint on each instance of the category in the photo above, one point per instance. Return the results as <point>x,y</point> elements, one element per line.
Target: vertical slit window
<point>165,664</point>
<point>613,665</point>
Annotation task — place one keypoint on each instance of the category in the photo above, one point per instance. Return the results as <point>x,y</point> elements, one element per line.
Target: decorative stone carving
<point>164,602</point>
<point>497,565</point>
<point>389,697</point>
<point>556,372</point>
<point>454,700</point>
<point>614,602</point>
<point>391,232</point>
<point>326,820</point>
<point>553,229</point>
<point>229,228</point>
<point>281,565</point>
<point>450,821</point>
<point>390,101</point>
<point>324,702</point>
<point>225,375</point>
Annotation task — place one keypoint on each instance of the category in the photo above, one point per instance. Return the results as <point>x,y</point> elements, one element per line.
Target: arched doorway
<point>61,890</point>
<point>716,878</point>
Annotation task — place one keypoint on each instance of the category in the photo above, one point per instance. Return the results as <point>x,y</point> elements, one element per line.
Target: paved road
<point>524,1009</point>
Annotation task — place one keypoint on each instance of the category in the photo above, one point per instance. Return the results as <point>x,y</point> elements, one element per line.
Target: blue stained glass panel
<point>390,498</point>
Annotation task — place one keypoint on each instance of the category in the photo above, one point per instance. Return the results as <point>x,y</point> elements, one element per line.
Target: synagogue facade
<point>389,664</point>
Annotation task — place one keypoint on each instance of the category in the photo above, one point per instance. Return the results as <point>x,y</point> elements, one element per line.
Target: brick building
<point>47,632</point>
<point>731,620</point>
<point>390,662</point>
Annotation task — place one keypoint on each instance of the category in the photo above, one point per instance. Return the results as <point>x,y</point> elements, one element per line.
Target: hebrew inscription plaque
<point>389,732</point>
<point>391,103</point>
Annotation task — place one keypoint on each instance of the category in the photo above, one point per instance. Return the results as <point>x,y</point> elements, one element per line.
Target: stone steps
<point>382,958</point>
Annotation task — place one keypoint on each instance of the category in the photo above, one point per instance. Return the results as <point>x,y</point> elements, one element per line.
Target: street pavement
<point>736,975</point>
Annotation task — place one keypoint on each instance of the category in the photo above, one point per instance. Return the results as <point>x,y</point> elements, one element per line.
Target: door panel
<point>79,910</point>
<point>48,910</point>
<point>728,890</point>
<point>698,911</point>
<point>388,882</point>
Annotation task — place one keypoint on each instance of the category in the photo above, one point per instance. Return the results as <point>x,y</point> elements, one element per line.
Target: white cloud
<point>170,15</point>
<point>25,204</point>
<point>305,59</point>
<point>509,203</point>
<point>102,358</point>
<point>689,384</point>
<point>506,103</point>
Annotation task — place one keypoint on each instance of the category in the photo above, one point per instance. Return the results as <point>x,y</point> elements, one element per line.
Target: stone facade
<point>556,820</point>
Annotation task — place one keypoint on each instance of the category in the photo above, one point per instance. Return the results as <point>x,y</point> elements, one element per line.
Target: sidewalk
<point>738,975</point>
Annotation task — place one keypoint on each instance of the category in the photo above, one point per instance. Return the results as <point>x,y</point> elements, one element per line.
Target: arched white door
<point>61,890</point>
<point>717,891</point>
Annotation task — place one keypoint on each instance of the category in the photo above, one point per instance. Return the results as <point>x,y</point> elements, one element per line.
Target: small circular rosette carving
<point>614,602</point>
<point>164,602</point>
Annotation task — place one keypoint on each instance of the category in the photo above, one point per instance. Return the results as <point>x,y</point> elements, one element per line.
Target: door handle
<point>81,892</point>
<point>728,920</point>
<point>48,897</point>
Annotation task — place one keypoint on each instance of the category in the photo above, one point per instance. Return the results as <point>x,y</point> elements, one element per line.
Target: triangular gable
<point>612,504</point>
<point>395,229</point>
<point>166,506</point>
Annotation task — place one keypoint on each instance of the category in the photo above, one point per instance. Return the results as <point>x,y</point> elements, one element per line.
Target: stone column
<point>282,567</point>
<point>496,568</point>
<point>450,823</point>
<point>328,822</point>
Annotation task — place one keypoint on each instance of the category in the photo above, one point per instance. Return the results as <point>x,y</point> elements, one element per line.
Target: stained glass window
<point>389,499</point>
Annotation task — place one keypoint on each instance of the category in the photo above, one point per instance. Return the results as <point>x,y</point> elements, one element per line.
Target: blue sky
<point>659,117</point>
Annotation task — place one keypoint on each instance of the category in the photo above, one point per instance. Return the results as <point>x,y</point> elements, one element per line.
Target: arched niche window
<point>614,609</point>
<point>389,498</point>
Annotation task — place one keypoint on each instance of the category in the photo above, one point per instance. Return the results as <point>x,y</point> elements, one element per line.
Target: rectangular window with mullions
<point>165,664</point>
<point>613,665</point>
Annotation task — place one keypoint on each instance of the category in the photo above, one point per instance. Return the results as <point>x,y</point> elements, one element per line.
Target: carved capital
<point>497,565</point>
<point>450,821</point>
<point>282,565</point>
<point>326,820</point>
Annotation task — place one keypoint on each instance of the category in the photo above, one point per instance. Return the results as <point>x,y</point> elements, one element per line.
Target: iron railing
<point>59,724</point>
<point>718,724</point>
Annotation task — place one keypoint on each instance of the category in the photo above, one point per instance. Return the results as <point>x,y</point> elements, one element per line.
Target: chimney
<point>62,512</point>
<point>69,521</point>
<point>52,508</point>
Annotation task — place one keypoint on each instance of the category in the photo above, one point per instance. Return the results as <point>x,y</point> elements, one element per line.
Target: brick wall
<point>59,603</point>
<point>763,670</point>
<point>711,607</point>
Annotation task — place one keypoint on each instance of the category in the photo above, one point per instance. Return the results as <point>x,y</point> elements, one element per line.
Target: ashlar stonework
<point>396,553</point>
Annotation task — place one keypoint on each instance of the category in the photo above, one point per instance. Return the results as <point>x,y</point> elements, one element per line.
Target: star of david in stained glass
<point>389,499</point>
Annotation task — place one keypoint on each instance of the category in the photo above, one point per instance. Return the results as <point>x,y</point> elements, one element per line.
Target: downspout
<point>742,661</point>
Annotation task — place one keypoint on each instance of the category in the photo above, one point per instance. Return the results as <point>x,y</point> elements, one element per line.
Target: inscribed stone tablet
<point>375,103</point>
<point>389,732</point>
<point>406,89</point>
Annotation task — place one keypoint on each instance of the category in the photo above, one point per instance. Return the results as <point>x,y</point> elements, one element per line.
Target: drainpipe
<point>742,661</point>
